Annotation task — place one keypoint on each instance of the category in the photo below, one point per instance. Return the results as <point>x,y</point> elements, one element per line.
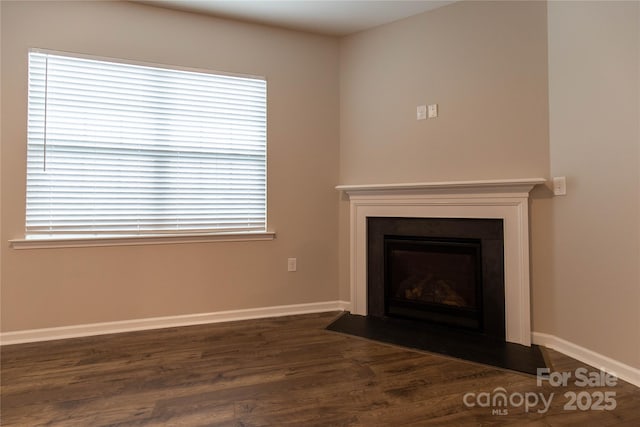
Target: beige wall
<point>594,137</point>
<point>55,287</point>
<point>485,65</point>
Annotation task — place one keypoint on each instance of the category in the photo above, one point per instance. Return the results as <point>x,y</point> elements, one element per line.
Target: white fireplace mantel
<point>501,199</point>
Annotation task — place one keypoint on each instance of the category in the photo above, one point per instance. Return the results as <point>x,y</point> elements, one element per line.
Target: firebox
<point>444,271</point>
<point>437,280</point>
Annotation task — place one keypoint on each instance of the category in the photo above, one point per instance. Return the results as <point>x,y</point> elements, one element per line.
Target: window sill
<point>85,242</point>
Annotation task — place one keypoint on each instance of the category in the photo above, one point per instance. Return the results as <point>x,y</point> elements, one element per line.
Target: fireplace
<point>505,199</point>
<point>444,271</point>
<point>443,267</point>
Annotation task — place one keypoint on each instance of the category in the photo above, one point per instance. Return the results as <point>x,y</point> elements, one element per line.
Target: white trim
<point>501,185</point>
<point>167,239</point>
<point>344,305</point>
<point>502,199</point>
<point>597,360</point>
<point>75,331</point>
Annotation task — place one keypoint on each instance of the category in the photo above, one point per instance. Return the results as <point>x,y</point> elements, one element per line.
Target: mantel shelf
<point>524,185</point>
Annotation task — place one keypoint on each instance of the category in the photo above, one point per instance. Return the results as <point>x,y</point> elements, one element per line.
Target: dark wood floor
<point>286,371</point>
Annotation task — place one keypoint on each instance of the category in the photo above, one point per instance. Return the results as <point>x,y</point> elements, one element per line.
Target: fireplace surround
<point>447,271</point>
<point>505,200</point>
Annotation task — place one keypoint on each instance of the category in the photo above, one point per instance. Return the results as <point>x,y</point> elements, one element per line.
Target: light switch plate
<point>433,111</point>
<point>421,112</point>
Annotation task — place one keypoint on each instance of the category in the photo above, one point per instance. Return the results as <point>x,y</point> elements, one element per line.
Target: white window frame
<point>162,237</point>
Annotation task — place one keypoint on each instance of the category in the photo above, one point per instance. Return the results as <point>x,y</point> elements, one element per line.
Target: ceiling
<point>330,17</point>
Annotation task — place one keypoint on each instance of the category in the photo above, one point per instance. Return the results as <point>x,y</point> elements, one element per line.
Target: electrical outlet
<point>292,264</point>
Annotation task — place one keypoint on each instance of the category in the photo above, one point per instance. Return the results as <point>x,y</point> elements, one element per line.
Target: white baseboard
<point>75,331</point>
<point>597,360</point>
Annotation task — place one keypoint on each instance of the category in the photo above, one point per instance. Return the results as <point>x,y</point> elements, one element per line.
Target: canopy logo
<point>500,401</point>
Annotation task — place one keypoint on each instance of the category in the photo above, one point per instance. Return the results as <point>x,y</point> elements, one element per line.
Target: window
<point>117,149</point>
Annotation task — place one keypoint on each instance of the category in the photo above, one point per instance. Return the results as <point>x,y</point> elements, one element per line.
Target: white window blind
<point>121,149</point>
